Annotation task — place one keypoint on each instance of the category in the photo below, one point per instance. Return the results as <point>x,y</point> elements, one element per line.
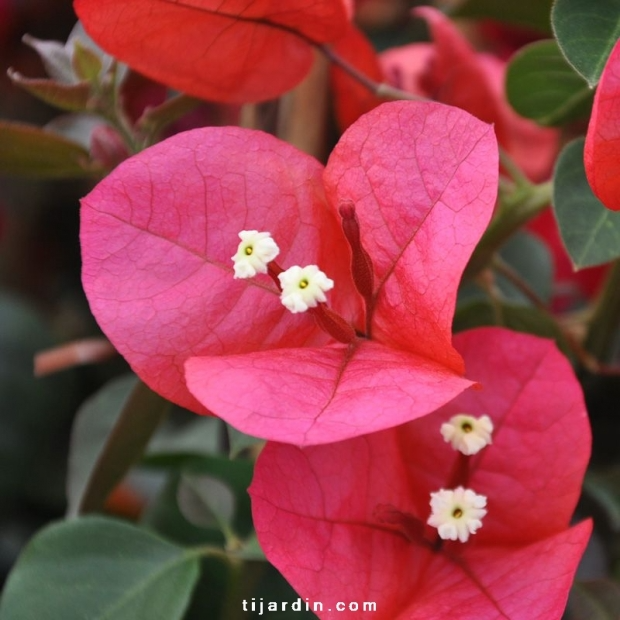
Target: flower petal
<point>344,521</point>
<point>423,180</point>
<point>221,50</point>
<point>602,148</point>
<point>157,236</point>
<point>310,395</point>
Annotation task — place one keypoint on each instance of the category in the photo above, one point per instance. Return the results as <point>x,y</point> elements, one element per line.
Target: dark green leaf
<point>594,600</point>
<point>198,437</point>
<point>70,97</point>
<point>251,550</point>
<point>240,441</point>
<point>604,489</point>
<point>590,232</point>
<point>206,501</point>
<point>586,32</point>
<point>34,413</point>
<point>531,261</point>
<point>235,475</point>
<point>109,436</point>
<point>163,516</point>
<point>528,13</point>
<point>541,85</point>
<point>30,151</point>
<point>518,318</point>
<point>99,569</point>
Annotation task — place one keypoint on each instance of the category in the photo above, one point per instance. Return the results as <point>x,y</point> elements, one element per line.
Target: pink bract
<point>346,521</point>
<point>158,233</point>
<point>452,72</point>
<point>448,70</point>
<point>602,148</point>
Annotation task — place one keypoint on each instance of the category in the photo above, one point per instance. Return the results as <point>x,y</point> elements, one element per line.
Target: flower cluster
<point>347,520</point>
<point>369,345</point>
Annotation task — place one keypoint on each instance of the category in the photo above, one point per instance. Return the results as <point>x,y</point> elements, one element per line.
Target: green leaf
<point>528,13</point>
<point>590,232</point>
<point>70,97</point>
<point>240,441</point>
<point>604,489</point>
<point>206,501</point>
<point>541,85</point>
<point>86,62</point>
<point>251,550</point>
<point>594,600</point>
<point>110,433</point>
<point>34,413</point>
<point>531,260</point>
<point>99,569</point>
<point>235,475</point>
<point>519,318</point>
<point>163,516</point>
<point>586,32</point>
<point>197,437</point>
<point>30,151</point>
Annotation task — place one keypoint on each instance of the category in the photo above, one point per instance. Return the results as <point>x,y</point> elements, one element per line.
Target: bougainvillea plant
<point>361,520</point>
<point>305,239</point>
<point>392,219</point>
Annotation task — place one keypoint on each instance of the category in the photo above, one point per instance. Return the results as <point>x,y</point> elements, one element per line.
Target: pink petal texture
<point>422,208</point>
<point>346,521</point>
<point>602,148</point>
<point>319,395</point>
<point>451,71</point>
<point>221,50</point>
<point>157,236</point>
<point>159,232</point>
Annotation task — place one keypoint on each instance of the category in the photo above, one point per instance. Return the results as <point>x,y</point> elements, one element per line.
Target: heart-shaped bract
<point>158,233</point>
<point>346,522</point>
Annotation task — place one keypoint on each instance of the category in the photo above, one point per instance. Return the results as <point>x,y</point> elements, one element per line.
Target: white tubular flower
<point>457,514</point>
<point>468,434</point>
<point>254,252</point>
<point>303,288</point>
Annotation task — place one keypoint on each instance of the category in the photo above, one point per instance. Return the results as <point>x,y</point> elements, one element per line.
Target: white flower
<point>254,252</point>
<point>457,513</point>
<point>303,288</point>
<point>468,434</point>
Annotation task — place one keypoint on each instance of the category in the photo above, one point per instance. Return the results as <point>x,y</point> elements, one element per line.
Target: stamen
<point>468,434</point>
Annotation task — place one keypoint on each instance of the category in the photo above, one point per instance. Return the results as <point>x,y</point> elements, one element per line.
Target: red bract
<point>602,148</point>
<point>224,50</point>
<point>158,233</point>
<point>457,75</point>
<point>451,71</point>
<point>345,522</point>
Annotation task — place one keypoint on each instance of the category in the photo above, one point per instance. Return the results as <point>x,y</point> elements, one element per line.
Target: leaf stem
<point>520,207</point>
<point>509,165</point>
<point>380,89</point>
<point>584,356</point>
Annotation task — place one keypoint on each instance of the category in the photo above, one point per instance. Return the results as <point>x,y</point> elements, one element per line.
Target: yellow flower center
<point>466,427</point>
<point>457,513</point>
<point>249,250</point>
<point>303,283</point>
